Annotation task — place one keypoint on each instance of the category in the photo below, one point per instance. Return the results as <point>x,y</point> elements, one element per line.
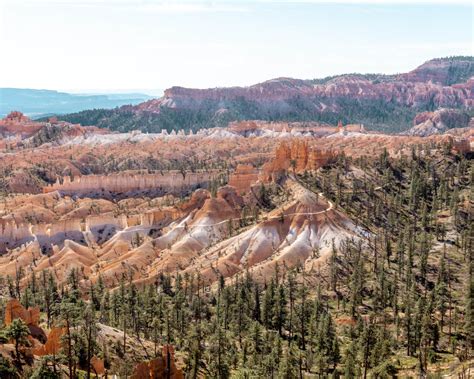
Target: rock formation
<point>15,310</point>
<point>53,344</point>
<point>431,82</point>
<point>161,367</point>
<point>122,183</point>
<point>437,122</point>
<point>297,156</point>
<point>463,145</point>
<point>243,177</point>
<point>17,124</point>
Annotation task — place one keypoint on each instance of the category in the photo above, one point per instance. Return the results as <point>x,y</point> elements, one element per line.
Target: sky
<point>148,45</point>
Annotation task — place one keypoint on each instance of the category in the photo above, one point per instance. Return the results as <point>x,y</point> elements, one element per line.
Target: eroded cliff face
<point>171,182</point>
<point>243,178</point>
<point>83,221</point>
<point>24,132</point>
<point>159,367</point>
<point>275,94</point>
<point>297,156</point>
<point>16,123</point>
<point>14,310</point>
<point>13,234</point>
<point>438,122</point>
<point>440,83</point>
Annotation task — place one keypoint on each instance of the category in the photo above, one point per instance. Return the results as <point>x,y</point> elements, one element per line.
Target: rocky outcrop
<point>15,117</point>
<point>161,367</point>
<point>31,317</point>
<point>53,344</point>
<point>172,181</point>
<point>297,156</point>
<point>23,132</point>
<point>98,365</point>
<point>243,177</point>
<point>462,145</point>
<point>12,234</point>
<point>159,217</point>
<point>17,124</point>
<point>437,122</point>
<point>15,310</point>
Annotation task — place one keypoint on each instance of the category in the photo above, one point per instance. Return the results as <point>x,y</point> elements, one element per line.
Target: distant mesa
<point>385,103</point>
<point>41,103</point>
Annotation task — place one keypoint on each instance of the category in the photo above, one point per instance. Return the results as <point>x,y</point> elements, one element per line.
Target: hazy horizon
<point>92,91</point>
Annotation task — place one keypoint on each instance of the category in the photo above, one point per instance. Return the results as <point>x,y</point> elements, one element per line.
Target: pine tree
<point>333,267</point>
<point>469,310</point>
<point>280,313</point>
<point>350,362</point>
<point>256,307</point>
<point>89,330</point>
<point>47,368</point>
<point>69,313</point>
<point>18,331</point>
<point>269,314</point>
<point>289,364</point>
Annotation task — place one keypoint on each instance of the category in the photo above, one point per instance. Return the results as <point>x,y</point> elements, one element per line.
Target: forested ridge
<point>377,115</point>
<point>399,302</point>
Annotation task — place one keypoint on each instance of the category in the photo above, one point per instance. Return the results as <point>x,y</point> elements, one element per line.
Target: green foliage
<point>402,293</point>
<point>376,114</point>
<point>17,331</point>
<point>7,371</point>
<point>47,368</point>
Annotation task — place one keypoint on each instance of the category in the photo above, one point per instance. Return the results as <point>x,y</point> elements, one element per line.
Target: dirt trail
<point>301,188</point>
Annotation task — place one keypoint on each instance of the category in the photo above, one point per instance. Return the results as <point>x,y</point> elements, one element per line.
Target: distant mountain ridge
<point>382,102</point>
<point>39,103</point>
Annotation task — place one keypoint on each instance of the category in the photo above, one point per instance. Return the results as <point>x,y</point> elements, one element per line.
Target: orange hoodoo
<point>298,156</point>
<point>15,310</point>
<point>160,367</point>
<point>243,177</point>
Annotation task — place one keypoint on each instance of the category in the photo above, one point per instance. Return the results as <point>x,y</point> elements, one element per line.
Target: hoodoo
<point>173,182</point>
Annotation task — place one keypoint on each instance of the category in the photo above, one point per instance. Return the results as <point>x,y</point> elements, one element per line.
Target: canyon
<point>305,203</point>
<point>153,220</point>
<point>236,189</point>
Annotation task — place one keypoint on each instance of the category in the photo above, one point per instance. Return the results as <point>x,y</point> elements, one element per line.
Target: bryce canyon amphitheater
<point>138,204</point>
<point>252,201</point>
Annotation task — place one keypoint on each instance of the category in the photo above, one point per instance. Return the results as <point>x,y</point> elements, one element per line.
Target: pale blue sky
<point>84,45</point>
